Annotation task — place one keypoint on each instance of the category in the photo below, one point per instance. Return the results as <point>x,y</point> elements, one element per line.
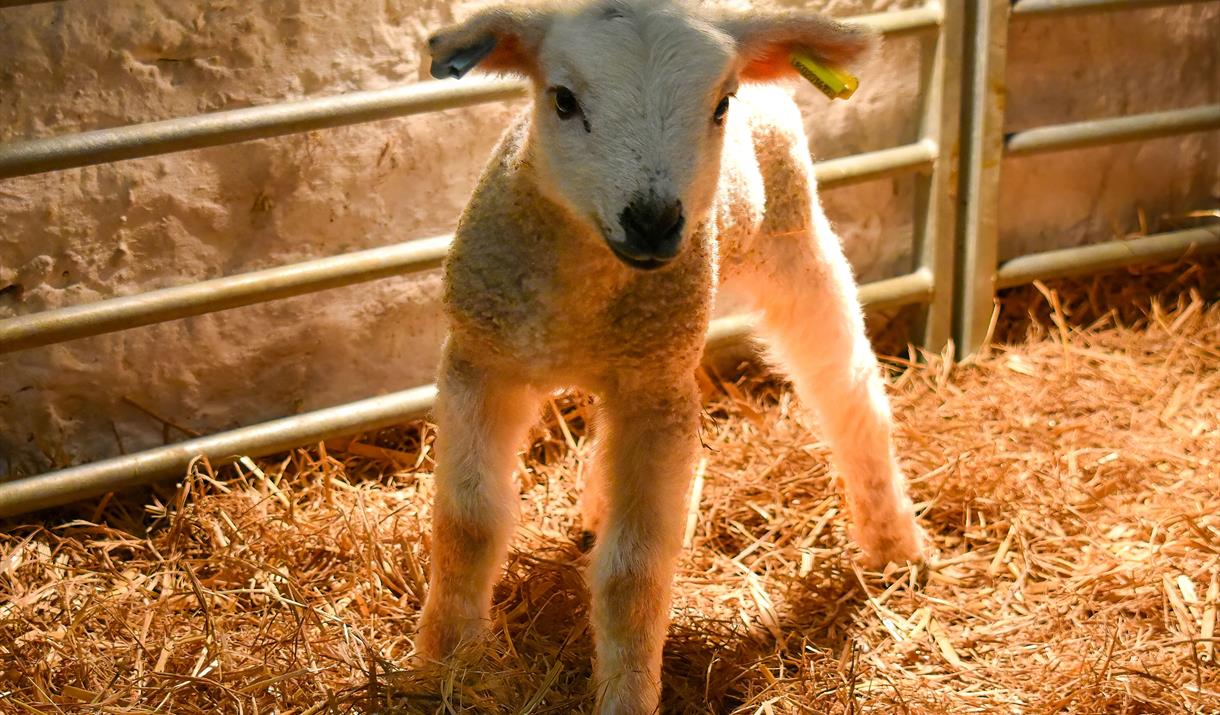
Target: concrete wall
<point>88,234</point>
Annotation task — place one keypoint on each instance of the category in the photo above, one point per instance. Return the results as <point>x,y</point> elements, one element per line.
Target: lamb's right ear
<point>767,39</point>
<point>498,39</point>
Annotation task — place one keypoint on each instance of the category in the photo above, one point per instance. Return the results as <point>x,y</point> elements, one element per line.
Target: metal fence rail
<point>1097,132</point>
<point>106,316</point>
<point>979,274</point>
<point>103,146</point>
<point>114,314</point>
<point>931,157</point>
<point>1097,257</point>
<point>158,306</point>
<point>1034,8</point>
<point>97,478</point>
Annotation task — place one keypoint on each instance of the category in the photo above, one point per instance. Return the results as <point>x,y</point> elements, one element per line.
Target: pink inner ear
<point>770,59</point>
<point>507,57</point>
<point>511,57</point>
<point>769,65</point>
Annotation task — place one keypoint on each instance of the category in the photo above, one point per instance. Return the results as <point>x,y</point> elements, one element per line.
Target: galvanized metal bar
<point>113,314</point>
<point>884,294</point>
<point>902,22</point>
<point>892,23</point>
<point>1111,131</point>
<point>858,168</point>
<point>916,287</point>
<point>102,146</point>
<point>897,22</point>
<point>55,326</point>
<point>982,152</point>
<point>91,480</point>
<point>935,192</point>
<point>889,22</point>
<point>1035,8</point>
<point>1080,260</point>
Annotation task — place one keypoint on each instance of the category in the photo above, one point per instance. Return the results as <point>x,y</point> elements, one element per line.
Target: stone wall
<point>88,234</point>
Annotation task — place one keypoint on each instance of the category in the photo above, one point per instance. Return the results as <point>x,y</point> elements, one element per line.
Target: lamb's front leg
<point>813,323</point>
<point>647,444</point>
<point>482,419</point>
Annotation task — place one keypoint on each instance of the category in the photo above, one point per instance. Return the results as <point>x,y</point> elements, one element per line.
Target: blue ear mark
<point>457,64</point>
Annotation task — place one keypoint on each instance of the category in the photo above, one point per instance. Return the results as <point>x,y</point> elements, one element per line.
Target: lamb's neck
<point>551,214</point>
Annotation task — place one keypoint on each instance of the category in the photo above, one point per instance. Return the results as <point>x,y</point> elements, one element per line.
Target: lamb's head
<point>632,101</point>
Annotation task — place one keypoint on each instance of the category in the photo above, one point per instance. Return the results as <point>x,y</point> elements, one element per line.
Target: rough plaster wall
<point>1087,67</point>
<point>87,234</point>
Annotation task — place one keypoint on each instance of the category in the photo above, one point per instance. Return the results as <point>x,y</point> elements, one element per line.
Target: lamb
<point>657,163</point>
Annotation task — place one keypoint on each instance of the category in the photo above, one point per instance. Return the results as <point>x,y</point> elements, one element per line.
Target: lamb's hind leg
<point>813,323</point>
<point>593,495</point>
<point>482,419</point>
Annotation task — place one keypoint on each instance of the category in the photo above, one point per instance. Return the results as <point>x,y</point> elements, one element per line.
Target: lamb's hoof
<point>905,546</point>
<point>441,640</point>
<point>585,541</point>
<point>628,694</point>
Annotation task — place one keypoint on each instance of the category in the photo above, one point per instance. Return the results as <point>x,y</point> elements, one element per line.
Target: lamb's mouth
<point>643,263</point>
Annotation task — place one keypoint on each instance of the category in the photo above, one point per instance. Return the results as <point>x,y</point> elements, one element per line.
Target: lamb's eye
<point>566,105</point>
<point>722,109</point>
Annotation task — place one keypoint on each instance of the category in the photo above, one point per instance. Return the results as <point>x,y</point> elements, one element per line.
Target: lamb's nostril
<point>633,222</point>
<point>652,225</point>
<point>671,219</point>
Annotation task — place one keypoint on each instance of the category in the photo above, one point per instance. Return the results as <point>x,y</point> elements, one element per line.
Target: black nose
<point>653,229</point>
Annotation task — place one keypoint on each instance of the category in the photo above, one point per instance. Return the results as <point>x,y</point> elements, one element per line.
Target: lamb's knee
<point>475,527</point>
<point>630,593</point>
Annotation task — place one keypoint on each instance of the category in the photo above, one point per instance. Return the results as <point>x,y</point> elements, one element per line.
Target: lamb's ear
<point>766,41</point>
<point>498,39</point>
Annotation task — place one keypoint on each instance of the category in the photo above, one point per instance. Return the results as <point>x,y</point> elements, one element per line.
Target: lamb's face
<point>633,99</point>
<point>630,122</point>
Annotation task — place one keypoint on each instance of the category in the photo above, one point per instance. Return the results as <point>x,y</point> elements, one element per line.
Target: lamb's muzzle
<point>653,231</point>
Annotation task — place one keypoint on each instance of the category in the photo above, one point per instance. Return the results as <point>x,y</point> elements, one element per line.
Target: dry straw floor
<point>1070,484</point>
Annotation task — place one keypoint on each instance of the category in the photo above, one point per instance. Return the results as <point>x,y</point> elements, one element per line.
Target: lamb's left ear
<point>498,39</point>
<point>766,41</point>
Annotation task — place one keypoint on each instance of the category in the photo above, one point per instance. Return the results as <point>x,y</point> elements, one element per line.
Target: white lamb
<point>652,167</point>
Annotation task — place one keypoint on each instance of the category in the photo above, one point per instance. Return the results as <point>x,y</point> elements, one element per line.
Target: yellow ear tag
<point>834,83</point>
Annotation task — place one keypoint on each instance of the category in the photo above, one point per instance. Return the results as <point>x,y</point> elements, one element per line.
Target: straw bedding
<point>1069,483</point>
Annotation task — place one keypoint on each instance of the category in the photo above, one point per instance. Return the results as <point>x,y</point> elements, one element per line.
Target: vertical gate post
<point>986,40</point>
<point>936,192</point>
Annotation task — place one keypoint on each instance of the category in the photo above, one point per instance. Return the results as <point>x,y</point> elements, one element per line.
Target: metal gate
<point>930,284</point>
<point>985,145</point>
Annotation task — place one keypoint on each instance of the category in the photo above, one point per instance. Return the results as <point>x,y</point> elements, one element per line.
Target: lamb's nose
<point>653,227</point>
